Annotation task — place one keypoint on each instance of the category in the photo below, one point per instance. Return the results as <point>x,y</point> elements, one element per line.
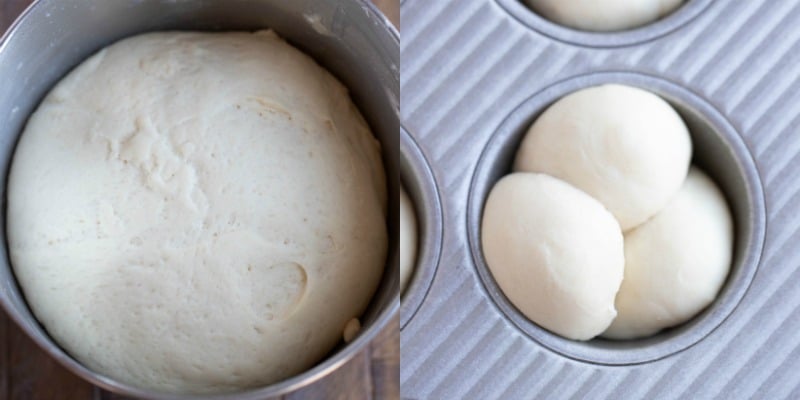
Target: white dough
<point>195,212</point>
<point>408,239</point>
<point>676,263</point>
<point>351,330</point>
<point>555,252</point>
<point>604,15</point>
<point>624,146</point>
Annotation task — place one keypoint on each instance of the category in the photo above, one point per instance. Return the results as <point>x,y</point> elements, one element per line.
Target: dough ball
<point>624,146</point>
<point>408,239</point>
<point>676,263</point>
<point>351,330</point>
<point>197,212</point>
<point>555,252</point>
<point>604,15</point>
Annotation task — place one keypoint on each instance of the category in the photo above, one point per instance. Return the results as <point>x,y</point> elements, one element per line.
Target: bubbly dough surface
<point>196,212</point>
<point>676,263</point>
<point>624,146</point>
<point>408,239</point>
<point>555,252</point>
<point>604,15</point>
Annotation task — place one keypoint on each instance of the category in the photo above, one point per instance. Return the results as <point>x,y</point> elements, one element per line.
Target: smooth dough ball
<point>604,15</point>
<point>676,263</point>
<point>624,146</point>
<point>408,239</point>
<point>555,252</point>
<point>351,330</point>
<point>197,212</point>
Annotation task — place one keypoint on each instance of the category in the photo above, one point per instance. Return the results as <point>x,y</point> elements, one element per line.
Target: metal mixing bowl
<point>348,37</point>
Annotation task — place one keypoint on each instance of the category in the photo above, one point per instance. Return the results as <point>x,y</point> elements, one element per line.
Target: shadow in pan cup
<point>654,30</point>
<point>348,37</point>
<point>419,182</point>
<point>718,150</point>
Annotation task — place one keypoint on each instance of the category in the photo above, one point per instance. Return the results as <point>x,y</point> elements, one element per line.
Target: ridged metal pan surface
<point>475,73</point>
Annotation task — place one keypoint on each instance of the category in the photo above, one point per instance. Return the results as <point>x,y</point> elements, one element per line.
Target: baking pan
<point>476,73</point>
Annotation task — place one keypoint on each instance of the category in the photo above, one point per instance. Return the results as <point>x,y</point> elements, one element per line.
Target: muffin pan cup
<point>638,35</point>
<point>718,149</point>
<point>420,184</point>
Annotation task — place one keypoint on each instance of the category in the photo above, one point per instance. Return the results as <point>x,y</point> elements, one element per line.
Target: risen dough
<point>604,15</point>
<point>555,252</point>
<point>624,146</point>
<point>408,239</point>
<point>676,263</point>
<point>197,212</point>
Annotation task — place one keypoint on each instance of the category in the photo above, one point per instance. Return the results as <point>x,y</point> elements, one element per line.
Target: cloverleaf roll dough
<point>676,263</point>
<point>555,252</point>
<point>604,15</point>
<point>624,146</point>
<point>408,239</point>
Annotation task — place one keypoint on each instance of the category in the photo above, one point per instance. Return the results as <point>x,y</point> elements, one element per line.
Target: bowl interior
<point>349,38</point>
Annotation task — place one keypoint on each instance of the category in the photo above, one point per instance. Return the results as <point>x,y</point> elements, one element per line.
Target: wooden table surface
<point>27,373</point>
